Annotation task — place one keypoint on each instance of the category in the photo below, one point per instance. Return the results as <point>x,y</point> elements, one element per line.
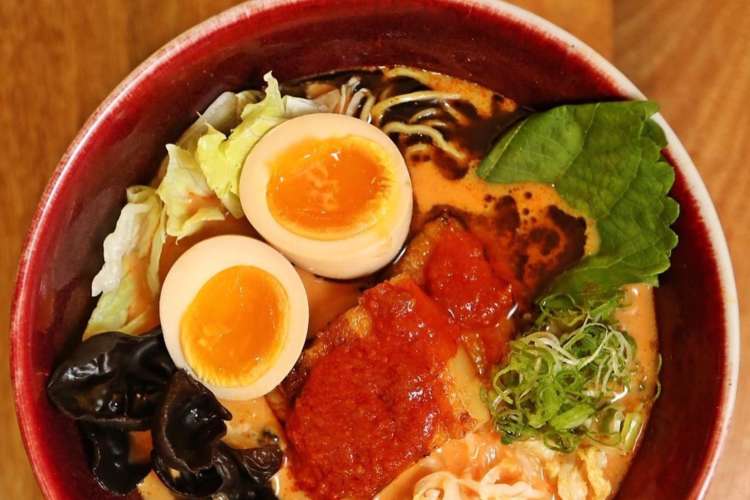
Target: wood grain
<point>589,20</point>
<point>59,59</point>
<point>693,57</point>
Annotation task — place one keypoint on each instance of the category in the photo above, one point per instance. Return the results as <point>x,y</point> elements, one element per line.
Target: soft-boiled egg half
<point>234,315</point>
<point>329,191</point>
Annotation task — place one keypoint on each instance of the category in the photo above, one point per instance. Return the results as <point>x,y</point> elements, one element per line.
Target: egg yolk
<point>330,188</point>
<point>234,328</point>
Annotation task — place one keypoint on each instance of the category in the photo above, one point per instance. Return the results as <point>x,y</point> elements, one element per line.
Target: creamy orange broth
<point>482,449</point>
<point>328,299</point>
<point>474,195</point>
<point>638,318</point>
<point>482,98</point>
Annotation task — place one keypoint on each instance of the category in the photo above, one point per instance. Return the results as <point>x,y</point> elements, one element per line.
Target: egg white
<point>203,261</point>
<point>349,257</point>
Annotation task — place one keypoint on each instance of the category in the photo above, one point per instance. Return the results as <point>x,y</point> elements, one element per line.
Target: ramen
<point>382,283</point>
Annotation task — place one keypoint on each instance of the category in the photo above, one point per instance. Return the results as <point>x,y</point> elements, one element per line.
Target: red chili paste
<point>459,278</point>
<point>371,407</point>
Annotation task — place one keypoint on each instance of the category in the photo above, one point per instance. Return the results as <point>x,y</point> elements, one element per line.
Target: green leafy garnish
<point>605,161</point>
<point>563,378</point>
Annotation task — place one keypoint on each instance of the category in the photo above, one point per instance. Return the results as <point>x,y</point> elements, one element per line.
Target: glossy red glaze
<point>461,280</point>
<point>523,58</point>
<point>385,386</point>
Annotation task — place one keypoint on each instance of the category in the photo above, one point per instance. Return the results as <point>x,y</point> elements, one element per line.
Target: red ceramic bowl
<point>495,44</point>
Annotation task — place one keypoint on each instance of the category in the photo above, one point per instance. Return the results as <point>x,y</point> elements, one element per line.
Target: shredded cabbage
<point>188,200</point>
<point>128,232</point>
<point>222,114</point>
<point>203,169</point>
<point>221,158</point>
<point>129,279</point>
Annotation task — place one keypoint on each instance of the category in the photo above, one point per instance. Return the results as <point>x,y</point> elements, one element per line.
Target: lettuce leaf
<point>183,188</point>
<point>134,220</point>
<point>223,114</point>
<point>188,200</point>
<point>221,157</point>
<point>605,160</point>
<point>129,280</point>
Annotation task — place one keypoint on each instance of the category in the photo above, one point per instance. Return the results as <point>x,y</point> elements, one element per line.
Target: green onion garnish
<point>563,379</point>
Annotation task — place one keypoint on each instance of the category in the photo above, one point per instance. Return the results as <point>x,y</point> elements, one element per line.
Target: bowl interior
<point>494,45</point>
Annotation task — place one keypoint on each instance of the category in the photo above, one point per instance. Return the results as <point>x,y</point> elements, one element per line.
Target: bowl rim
<point>22,308</point>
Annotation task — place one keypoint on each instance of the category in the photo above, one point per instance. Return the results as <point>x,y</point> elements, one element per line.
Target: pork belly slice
<point>460,374</point>
<point>385,384</point>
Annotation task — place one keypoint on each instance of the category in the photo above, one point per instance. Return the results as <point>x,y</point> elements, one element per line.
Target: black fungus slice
<point>113,379</point>
<point>114,383</point>
<point>246,473</point>
<point>108,452</point>
<point>188,425</point>
<point>189,457</point>
<point>234,475</point>
<point>185,483</point>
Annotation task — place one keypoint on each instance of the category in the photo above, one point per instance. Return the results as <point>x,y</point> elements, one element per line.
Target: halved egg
<point>234,315</point>
<point>329,191</point>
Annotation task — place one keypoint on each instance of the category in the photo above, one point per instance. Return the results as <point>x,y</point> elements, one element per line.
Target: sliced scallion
<point>562,379</point>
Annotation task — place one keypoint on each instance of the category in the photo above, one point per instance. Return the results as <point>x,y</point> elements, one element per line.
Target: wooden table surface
<point>59,58</point>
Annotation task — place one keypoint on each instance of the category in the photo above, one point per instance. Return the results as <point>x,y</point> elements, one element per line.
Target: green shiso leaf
<point>605,160</point>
